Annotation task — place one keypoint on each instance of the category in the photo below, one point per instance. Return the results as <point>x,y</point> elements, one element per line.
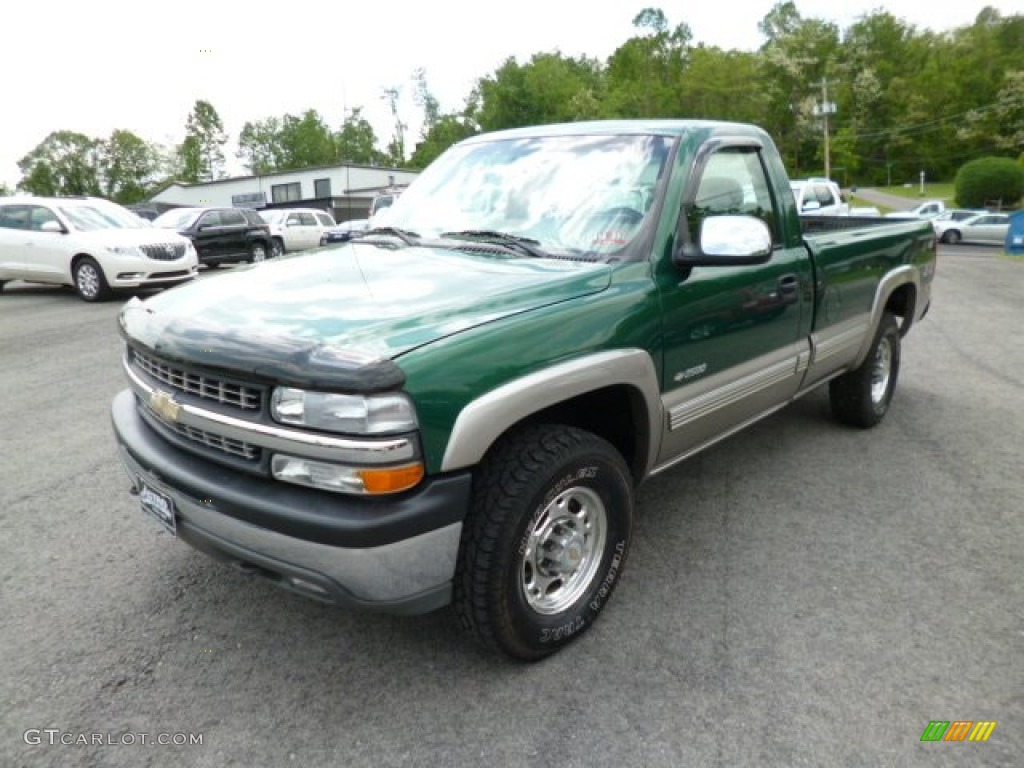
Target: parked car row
<point>983,227</point>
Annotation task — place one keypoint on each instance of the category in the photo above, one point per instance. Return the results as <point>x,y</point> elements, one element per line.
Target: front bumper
<point>395,555</point>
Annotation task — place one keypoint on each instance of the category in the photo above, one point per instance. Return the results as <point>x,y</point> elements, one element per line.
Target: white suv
<point>89,243</point>
<point>819,197</point>
<point>296,229</point>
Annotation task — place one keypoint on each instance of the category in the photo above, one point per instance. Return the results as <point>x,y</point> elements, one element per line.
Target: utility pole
<point>823,110</point>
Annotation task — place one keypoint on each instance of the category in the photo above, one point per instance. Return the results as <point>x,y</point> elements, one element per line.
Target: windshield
<point>575,195</point>
<point>88,218</point>
<point>179,218</point>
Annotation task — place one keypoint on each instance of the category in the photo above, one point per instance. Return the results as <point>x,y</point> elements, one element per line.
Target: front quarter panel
<point>537,358</point>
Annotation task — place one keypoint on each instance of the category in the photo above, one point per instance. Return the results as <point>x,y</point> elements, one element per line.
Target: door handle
<point>788,285</point>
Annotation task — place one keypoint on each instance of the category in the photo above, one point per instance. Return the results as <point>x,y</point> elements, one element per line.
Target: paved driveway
<point>800,595</point>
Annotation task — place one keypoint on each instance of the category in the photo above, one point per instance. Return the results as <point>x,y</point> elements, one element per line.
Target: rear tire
<point>546,539</point>
<point>90,283</point>
<point>861,397</point>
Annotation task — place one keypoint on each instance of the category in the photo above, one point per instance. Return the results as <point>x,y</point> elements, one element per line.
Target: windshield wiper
<point>407,237</point>
<point>525,245</point>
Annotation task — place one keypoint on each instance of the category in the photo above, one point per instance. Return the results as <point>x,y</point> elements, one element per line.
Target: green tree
<point>439,131</point>
<point>550,88</point>
<point>356,141</point>
<point>305,141</point>
<point>64,163</point>
<point>259,146</point>
<point>643,74</point>
<point>202,151</point>
<point>5,191</point>
<point>129,166</point>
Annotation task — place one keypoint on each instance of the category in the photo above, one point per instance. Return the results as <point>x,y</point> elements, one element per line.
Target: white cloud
<point>105,64</point>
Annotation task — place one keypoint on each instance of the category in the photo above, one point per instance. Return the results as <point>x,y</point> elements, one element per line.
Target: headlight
<point>126,250</point>
<point>349,414</point>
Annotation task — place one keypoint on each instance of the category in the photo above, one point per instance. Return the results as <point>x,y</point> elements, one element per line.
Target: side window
<point>232,219</point>
<point>325,220</point>
<point>14,217</point>
<point>734,182</point>
<point>307,219</point>
<point>39,215</point>
<point>824,195</point>
<point>209,219</point>
<point>293,220</point>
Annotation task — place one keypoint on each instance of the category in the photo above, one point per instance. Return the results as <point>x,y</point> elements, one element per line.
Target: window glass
<point>40,215</point>
<point>293,220</point>
<point>325,220</point>
<point>307,219</point>
<point>322,188</point>
<point>232,219</point>
<point>284,193</point>
<point>14,216</point>
<point>210,219</point>
<point>734,182</point>
<point>824,195</point>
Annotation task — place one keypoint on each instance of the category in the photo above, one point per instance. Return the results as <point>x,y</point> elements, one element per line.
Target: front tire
<point>90,282</point>
<point>951,236</point>
<point>546,539</point>
<point>276,248</point>
<point>861,397</point>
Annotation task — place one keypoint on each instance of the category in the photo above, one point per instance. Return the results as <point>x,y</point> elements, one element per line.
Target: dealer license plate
<point>160,506</point>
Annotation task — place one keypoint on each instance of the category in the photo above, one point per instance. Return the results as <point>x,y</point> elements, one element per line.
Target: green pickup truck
<point>457,405</point>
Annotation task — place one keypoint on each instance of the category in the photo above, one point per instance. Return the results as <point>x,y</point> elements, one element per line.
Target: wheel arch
<point>612,394</point>
<point>897,293</point>
<point>76,259</point>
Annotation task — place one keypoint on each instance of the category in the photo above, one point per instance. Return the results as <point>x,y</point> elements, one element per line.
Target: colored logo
<point>958,730</point>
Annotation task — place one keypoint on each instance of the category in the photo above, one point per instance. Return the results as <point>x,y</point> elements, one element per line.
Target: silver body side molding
<point>483,420</point>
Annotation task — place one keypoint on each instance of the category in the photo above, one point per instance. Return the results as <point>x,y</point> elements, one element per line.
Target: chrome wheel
<point>87,279</point>
<point>881,369</point>
<point>563,550</point>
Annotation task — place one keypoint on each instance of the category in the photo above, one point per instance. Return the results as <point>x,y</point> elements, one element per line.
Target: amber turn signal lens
<point>391,479</point>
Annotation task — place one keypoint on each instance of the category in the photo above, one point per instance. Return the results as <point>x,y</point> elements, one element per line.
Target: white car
<point>819,197</point>
<point>296,229</point>
<point>89,243</point>
<point>926,210</point>
<point>983,228</point>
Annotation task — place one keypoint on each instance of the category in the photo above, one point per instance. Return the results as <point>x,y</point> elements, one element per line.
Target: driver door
<point>735,344</point>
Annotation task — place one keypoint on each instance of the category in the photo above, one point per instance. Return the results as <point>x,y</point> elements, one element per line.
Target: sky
<point>102,65</point>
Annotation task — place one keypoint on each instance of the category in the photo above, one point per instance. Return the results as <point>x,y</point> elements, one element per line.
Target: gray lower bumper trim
<point>409,576</point>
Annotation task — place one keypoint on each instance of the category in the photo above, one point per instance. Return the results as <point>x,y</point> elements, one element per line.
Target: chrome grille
<point>211,388</point>
<point>164,251</point>
<point>219,442</point>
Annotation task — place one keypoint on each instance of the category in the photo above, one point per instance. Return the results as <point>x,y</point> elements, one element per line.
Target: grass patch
<point>936,191</point>
<point>856,201</point>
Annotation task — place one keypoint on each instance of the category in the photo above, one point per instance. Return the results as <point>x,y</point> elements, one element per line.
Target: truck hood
<point>339,317</point>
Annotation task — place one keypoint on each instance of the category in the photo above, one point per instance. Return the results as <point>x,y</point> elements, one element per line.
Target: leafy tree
<point>305,141</point>
<point>128,165</point>
<point>989,178</point>
<point>356,141</point>
<point>644,72</point>
<point>5,191</point>
<point>439,130</point>
<point>549,88</point>
<point>64,163</point>
<point>259,146</point>
<point>202,151</point>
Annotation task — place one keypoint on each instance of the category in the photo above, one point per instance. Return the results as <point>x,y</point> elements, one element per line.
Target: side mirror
<point>811,205</point>
<point>728,241</point>
<point>51,226</point>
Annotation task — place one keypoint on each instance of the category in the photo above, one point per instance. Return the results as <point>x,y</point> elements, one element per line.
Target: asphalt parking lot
<point>800,595</point>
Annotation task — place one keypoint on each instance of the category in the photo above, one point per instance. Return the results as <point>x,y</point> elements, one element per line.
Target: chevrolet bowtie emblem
<point>163,405</point>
